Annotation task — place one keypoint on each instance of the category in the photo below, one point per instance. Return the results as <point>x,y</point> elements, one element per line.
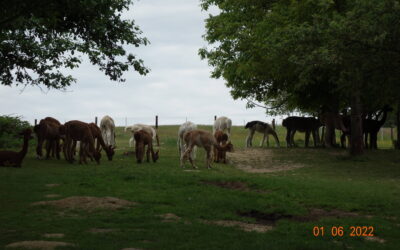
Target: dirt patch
<point>45,245</point>
<point>314,214</point>
<point>234,185</point>
<point>375,239</point>
<point>259,160</point>
<point>52,195</point>
<point>53,185</point>
<point>169,217</point>
<point>53,236</point>
<point>248,227</point>
<point>102,230</point>
<point>88,203</point>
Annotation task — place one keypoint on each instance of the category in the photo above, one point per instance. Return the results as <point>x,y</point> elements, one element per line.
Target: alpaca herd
<point>57,137</point>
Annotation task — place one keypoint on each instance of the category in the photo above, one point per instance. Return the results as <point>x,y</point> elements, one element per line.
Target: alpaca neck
<point>24,150</point>
<point>383,120</point>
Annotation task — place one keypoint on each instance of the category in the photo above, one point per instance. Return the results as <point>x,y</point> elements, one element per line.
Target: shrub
<point>9,128</point>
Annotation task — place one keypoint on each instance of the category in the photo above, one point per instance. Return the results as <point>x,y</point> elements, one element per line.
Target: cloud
<point>177,88</point>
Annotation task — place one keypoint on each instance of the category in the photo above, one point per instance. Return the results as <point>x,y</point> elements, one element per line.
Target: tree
<point>307,55</point>
<point>40,37</point>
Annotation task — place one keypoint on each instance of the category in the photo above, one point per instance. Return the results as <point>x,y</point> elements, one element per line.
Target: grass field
<point>221,208</point>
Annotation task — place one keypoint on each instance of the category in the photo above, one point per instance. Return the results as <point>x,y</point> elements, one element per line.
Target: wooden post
<point>35,122</point>
<point>156,121</point>
<point>273,123</point>
<point>95,120</point>
<point>215,117</point>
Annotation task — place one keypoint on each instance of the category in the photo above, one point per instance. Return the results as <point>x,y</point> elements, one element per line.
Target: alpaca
<point>96,132</point>
<point>107,127</point>
<point>331,121</point>
<point>14,159</point>
<point>263,128</point>
<point>202,139</point>
<point>302,124</point>
<point>143,139</point>
<point>371,127</point>
<point>222,139</point>
<point>79,131</point>
<point>147,128</point>
<point>48,130</point>
<point>223,123</point>
<point>185,127</point>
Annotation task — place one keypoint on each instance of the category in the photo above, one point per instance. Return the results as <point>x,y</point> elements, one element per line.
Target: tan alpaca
<point>204,139</point>
<point>222,139</point>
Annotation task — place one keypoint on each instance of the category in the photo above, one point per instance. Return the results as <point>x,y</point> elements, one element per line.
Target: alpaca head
<point>110,152</point>
<point>97,156</point>
<point>156,156</point>
<point>27,133</point>
<point>229,147</point>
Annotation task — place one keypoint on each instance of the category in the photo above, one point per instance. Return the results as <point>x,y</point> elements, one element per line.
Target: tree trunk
<point>397,145</point>
<point>356,137</point>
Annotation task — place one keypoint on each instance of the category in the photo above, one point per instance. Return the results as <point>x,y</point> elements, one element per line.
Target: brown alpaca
<point>14,159</point>
<point>309,125</point>
<point>48,131</point>
<point>79,131</point>
<point>143,139</point>
<point>204,139</point>
<point>331,121</point>
<point>96,132</point>
<point>222,139</point>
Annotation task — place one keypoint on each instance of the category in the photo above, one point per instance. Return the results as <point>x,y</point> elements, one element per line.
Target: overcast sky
<point>178,87</point>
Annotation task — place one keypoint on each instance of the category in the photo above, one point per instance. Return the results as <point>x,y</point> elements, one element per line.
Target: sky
<point>178,87</point>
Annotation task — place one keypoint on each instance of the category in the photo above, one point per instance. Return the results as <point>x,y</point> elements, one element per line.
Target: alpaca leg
<point>307,138</point>
<point>293,132</point>
<point>131,142</point>
<point>314,136</point>
<point>249,138</point>
<point>288,143</point>
<point>148,154</point>
<point>58,149</point>
<point>48,148</point>
<point>216,154</point>
<point>209,157</point>
<point>39,147</point>
<point>262,141</point>
<point>276,139</point>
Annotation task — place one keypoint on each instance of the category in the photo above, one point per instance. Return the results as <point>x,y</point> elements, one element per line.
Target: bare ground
<point>259,160</point>
<point>40,244</point>
<point>88,203</point>
<point>234,185</point>
<point>248,227</point>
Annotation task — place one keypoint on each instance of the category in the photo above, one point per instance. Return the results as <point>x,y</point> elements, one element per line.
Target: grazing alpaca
<point>143,139</point>
<point>14,159</point>
<point>149,129</point>
<point>185,127</point>
<point>204,139</point>
<point>107,127</point>
<point>48,130</point>
<point>302,124</point>
<point>96,132</point>
<point>79,131</point>
<point>223,123</point>
<point>263,128</point>
<point>222,139</point>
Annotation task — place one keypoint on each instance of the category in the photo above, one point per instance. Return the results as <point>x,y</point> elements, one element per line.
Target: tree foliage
<point>38,38</point>
<point>302,55</point>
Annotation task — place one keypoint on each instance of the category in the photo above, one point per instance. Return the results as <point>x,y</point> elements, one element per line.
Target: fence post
<point>215,117</point>
<point>95,120</point>
<point>273,123</point>
<point>35,122</point>
<point>156,121</point>
<point>126,122</point>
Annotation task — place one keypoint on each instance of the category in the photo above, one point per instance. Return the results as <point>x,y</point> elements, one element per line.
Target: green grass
<point>368,185</point>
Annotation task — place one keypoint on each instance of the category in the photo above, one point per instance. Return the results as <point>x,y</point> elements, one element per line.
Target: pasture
<point>270,198</point>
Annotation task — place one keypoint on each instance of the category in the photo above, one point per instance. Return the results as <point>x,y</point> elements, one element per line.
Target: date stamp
<point>340,231</point>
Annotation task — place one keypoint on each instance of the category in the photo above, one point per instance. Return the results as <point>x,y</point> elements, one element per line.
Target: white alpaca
<point>136,127</point>
<point>107,127</point>
<point>223,123</point>
<point>185,127</point>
